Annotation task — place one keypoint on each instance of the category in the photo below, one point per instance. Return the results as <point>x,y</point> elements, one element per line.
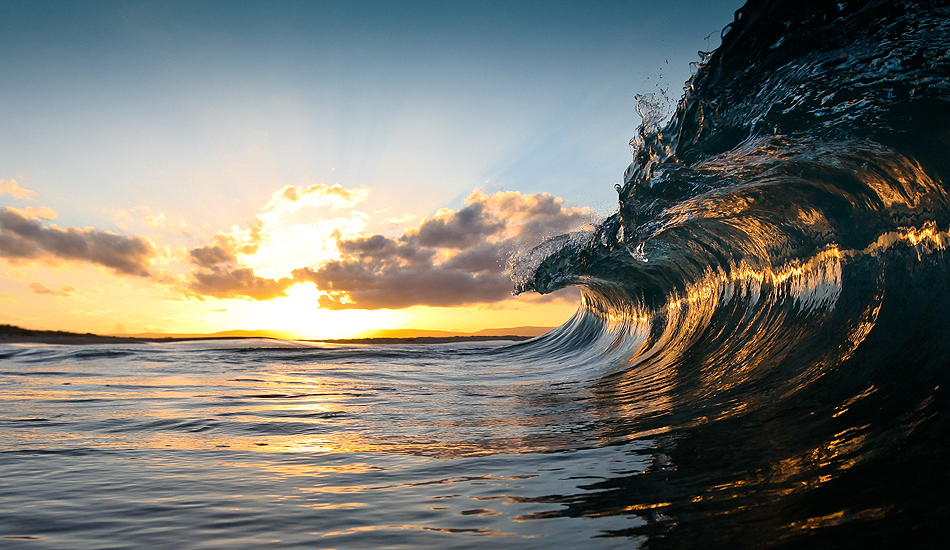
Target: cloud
<point>23,237</point>
<point>162,222</point>
<point>401,220</point>
<point>43,212</point>
<point>231,281</point>
<point>457,257</point>
<point>298,226</point>
<point>143,217</point>
<point>212,255</point>
<point>291,198</point>
<point>219,274</point>
<point>311,235</point>
<point>65,290</point>
<point>12,188</point>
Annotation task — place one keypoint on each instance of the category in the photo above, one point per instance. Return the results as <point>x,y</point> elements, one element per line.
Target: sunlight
<point>288,246</point>
<point>300,313</point>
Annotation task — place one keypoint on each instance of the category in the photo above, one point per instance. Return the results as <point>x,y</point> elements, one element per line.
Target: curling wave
<point>772,292</point>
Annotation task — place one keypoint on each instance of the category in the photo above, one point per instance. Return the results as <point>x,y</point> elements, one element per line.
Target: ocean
<point>760,357</point>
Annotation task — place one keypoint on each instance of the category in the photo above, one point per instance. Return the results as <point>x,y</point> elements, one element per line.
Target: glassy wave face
<point>772,295</point>
<point>760,358</point>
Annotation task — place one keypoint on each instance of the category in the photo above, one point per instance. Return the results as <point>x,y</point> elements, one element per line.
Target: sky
<point>319,168</point>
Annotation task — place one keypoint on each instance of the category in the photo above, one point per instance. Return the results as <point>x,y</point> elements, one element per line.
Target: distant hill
<point>12,334</point>
<point>282,335</point>
<point>421,333</point>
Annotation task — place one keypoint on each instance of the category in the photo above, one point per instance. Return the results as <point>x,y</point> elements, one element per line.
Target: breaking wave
<point>772,294</point>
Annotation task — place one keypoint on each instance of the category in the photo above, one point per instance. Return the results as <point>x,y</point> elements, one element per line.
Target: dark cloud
<point>23,237</point>
<point>485,258</point>
<point>238,282</point>
<point>220,276</point>
<point>386,251</point>
<point>211,255</point>
<point>363,286</point>
<point>460,229</point>
<point>456,258</point>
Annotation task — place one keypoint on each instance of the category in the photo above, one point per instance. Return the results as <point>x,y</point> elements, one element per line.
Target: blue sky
<point>123,102</point>
<point>116,113</point>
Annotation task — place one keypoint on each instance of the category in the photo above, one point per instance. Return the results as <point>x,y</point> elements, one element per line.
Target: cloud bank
<point>219,275</point>
<point>24,237</point>
<point>457,257</point>
<point>311,235</point>
<point>298,226</point>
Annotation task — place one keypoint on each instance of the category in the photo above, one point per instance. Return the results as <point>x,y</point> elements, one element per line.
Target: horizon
<point>315,168</point>
<point>398,333</point>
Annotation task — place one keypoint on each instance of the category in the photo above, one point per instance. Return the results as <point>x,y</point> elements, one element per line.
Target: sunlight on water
<point>337,446</point>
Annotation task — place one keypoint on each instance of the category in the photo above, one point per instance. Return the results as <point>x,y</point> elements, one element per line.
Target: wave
<point>772,291</point>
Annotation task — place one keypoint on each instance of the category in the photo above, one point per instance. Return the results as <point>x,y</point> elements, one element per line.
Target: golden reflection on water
<point>840,517</point>
<point>645,387</point>
<point>299,409</point>
<point>814,283</point>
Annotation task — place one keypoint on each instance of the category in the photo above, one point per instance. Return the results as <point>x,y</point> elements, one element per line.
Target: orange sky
<point>322,168</point>
<point>305,264</point>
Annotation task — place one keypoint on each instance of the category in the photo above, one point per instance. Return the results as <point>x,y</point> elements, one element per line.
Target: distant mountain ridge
<point>279,334</point>
<point>529,331</point>
<point>14,333</point>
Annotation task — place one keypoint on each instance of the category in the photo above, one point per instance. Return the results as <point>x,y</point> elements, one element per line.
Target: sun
<point>300,314</point>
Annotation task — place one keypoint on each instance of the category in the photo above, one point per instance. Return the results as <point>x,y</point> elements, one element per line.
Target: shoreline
<point>420,339</point>
<point>16,335</point>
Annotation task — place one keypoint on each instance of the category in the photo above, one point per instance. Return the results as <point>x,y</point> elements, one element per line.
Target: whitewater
<point>759,358</point>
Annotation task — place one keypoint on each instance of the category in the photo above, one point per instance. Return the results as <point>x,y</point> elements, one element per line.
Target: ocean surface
<point>760,358</point>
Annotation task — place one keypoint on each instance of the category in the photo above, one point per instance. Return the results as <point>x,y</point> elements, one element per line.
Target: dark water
<point>262,444</point>
<point>760,358</point>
